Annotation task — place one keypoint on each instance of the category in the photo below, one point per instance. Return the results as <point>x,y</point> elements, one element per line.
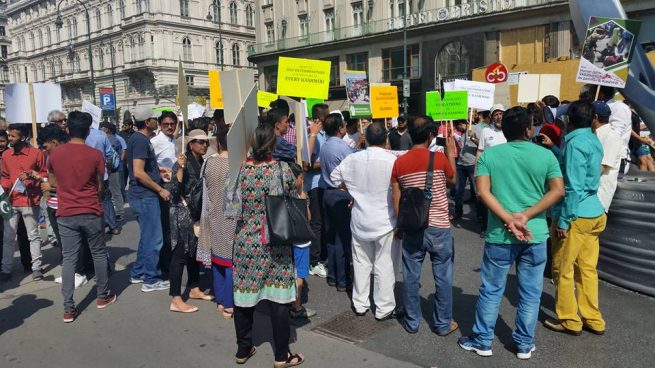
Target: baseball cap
<point>497,107</point>
<point>142,113</point>
<point>601,109</point>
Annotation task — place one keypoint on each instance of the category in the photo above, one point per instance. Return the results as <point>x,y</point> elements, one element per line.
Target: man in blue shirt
<point>336,203</point>
<point>577,223</point>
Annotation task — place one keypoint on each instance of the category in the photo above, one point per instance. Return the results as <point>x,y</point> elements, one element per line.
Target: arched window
<point>132,45</point>
<point>52,70</point>
<point>101,59</point>
<point>141,47</point>
<point>233,13</point>
<point>76,64</point>
<point>98,19</point>
<point>250,16</point>
<point>110,15</point>
<point>184,8</point>
<point>31,45</point>
<point>186,49</point>
<point>453,61</point>
<point>42,70</point>
<point>58,34</point>
<point>216,10</point>
<point>69,24</point>
<point>121,9</point>
<point>236,51</point>
<point>35,74</point>
<point>48,36</point>
<point>218,48</point>
<point>39,38</point>
<point>74,27</point>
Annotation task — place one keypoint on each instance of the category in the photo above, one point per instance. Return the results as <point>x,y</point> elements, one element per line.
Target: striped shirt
<point>409,171</point>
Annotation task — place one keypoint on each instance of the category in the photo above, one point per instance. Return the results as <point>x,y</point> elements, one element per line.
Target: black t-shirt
<point>139,147</point>
<point>399,142</point>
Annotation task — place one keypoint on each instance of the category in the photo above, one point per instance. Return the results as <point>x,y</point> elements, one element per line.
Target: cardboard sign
<point>357,91</point>
<point>607,51</point>
<point>309,103</point>
<point>534,87</point>
<point>264,99</point>
<point>384,102</point>
<point>215,91</point>
<point>47,97</point>
<point>241,131</point>
<point>302,144</point>
<point>239,82</point>
<point>453,107</point>
<point>95,111</point>
<point>303,77</point>
<point>501,94</point>
<point>480,95</point>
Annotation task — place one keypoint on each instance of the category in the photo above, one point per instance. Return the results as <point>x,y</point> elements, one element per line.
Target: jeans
<point>116,194</point>
<point>337,225</point>
<point>464,173</point>
<point>497,260</point>
<point>29,216</point>
<point>146,211</point>
<point>318,251</point>
<point>223,285</point>
<point>72,230</point>
<point>108,208</point>
<point>439,243</point>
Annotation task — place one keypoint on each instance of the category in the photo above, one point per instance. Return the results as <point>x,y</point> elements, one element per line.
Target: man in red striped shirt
<point>410,171</point>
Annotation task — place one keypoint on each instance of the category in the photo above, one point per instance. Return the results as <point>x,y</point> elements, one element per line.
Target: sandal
<point>220,308</point>
<point>208,298</point>
<point>243,360</point>
<point>227,314</point>
<point>173,308</point>
<point>299,359</point>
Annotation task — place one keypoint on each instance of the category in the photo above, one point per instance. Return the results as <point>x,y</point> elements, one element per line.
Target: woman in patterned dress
<point>262,271</point>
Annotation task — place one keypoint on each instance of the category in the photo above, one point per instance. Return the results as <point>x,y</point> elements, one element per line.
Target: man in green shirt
<point>512,179</point>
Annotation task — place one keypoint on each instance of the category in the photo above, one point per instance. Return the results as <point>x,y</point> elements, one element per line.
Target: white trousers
<point>379,257</point>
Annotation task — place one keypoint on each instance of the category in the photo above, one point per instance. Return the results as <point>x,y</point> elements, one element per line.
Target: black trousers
<point>165,252</point>
<point>318,249</point>
<point>23,245</point>
<point>243,319</point>
<point>179,258</point>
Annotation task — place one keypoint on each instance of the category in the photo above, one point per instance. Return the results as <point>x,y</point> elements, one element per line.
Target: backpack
<point>414,208</point>
<point>114,162</point>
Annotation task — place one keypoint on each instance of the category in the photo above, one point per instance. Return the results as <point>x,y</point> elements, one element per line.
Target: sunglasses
<point>201,142</point>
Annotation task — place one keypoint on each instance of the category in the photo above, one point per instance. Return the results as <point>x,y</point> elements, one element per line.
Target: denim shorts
<point>301,262</point>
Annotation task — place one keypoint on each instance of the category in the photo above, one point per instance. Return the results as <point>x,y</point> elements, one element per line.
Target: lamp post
<point>60,23</point>
<point>220,33</point>
<point>405,81</point>
<point>113,78</point>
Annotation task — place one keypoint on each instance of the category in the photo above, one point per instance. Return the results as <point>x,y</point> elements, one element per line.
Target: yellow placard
<point>303,78</point>
<point>215,92</point>
<point>264,99</point>
<point>384,102</point>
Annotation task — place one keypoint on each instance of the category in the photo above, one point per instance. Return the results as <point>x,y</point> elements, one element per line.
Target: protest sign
<point>299,109</point>
<point>480,95</point>
<point>196,110</point>
<point>303,77</point>
<point>264,99</point>
<point>239,82</point>
<point>215,91</point>
<point>607,51</point>
<point>357,90</point>
<point>533,87</point>
<point>384,101</point>
<point>501,94</point>
<point>453,107</point>
<point>95,111</point>
<point>310,102</point>
<point>47,97</point>
<point>242,128</point>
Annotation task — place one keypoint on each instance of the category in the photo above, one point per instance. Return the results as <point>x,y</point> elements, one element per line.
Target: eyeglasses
<point>201,142</point>
<point>164,125</point>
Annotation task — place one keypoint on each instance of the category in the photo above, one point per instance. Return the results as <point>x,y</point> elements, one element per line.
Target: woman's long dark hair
<point>263,142</point>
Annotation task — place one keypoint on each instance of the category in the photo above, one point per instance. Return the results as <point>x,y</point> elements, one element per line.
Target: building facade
<point>135,45</point>
<point>4,54</point>
<point>445,38</point>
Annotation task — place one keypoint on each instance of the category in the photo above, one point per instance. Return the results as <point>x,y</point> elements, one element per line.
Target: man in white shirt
<point>620,120</point>
<point>367,176</point>
<point>612,150</point>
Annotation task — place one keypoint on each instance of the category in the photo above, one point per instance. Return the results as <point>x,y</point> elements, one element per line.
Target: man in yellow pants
<point>577,222</point>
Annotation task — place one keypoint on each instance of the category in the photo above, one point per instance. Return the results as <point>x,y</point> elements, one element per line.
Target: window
<point>236,54</point>
<point>358,12</point>
<point>401,8</point>
<point>58,34</point>
<point>189,80</point>
<point>392,63</point>
<point>39,38</point>
<point>270,78</point>
<point>98,19</point>
<point>74,27</point>
<point>76,63</point>
<point>121,9</point>
<point>52,70</point>
<point>69,23</point>
<point>32,45</point>
<point>110,15</point>
<point>233,13</point>
<point>216,8</point>
<point>453,61</point>
<point>184,8</point>
<point>218,48</point>
<point>304,25</point>
<point>270,33</point>
<point>133,51</point>
<point>2,31</point>
<point>283,29</point>
<point>250,16</point>
<point>186,49</point>
<point>48,36</point>
<point>142,6</point>
<point>4,75</point>
<point>141,47</point>
<point>329,20</point>
<point>357,61</point>
<point>334,71</point>
<point>3,51</point>
<point>101,59</point>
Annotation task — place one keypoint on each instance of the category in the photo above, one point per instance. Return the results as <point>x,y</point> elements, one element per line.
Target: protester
<point>641,144</point>
<point>336,204</point>
<point>620,121</point>
<point>23,169</point>
<point>316,139</point>
<point>77,171</point>
<point>127,129</point>
<point>283,107</point>
<point>120,146</point>
<point>366,175</point>
<point>399,139</point>
<point>515,195</point>
<point>186,175</point>
<point>410,170</point>
<point>261,270</point>
<point>353,137</point>
<point>465,165</point>
<point>216,240</point>
<point>612,146</point>
<point>144,193</point>
<point>57,117</point>
<point>284,151</point>
<point>577,222</point>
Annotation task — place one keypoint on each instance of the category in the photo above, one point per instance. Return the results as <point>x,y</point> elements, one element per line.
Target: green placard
<point>310,104</point>
<point>453,107</point>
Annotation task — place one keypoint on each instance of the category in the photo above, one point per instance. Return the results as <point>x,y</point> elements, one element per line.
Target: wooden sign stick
<point>33,110</point>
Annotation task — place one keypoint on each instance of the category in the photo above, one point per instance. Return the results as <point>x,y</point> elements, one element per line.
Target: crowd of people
<point>541,180</point>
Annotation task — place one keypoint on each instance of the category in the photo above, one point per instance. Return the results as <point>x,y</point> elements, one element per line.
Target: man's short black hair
<point>420,129</point>
<point>52,133</point>
<point>79,124</point>
<point>581,114</point>
<point>109,126</point>
<point>274,116</point>
<point>515,123</point>
<point>485,114</point>
<point>402,119</point>
<point>199,123</point>
<point>550,101</point>
<point>166,114</point>
<point>376,134</point>
<point>320,111</point>
<point>280,104</point>
<point>21,128</point>
<point>332,124</point>
<point>608,92</point>
<point>3,133</point>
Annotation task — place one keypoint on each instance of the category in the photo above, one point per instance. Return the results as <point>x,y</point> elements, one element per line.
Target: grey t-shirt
<point>468,152</point>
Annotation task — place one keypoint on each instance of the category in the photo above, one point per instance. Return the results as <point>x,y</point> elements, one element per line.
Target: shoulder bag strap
<point>284,191</point>
<point>429,176</point>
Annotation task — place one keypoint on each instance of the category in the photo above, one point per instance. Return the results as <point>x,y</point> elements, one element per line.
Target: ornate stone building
<point>4,54</point>
<point>135,45</point>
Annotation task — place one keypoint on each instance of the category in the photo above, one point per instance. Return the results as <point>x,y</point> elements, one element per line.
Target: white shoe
<point>58,280</point>
<point>318,270</point>
<point>157,286</point>
<point>80,280</point>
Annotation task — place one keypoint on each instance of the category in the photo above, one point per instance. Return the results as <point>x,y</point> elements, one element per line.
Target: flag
<point>6,211</point>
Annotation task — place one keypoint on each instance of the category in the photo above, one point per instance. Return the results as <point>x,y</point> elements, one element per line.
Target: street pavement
<point>139,331</point>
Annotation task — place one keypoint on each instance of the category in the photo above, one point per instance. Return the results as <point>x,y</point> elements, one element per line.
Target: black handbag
<point>414,208</point>
<point>287,218</point>
<point>194,198</point>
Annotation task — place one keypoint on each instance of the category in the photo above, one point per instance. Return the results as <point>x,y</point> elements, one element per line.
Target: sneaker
<point>302,313</point>
<point>136,280</point>
<point>116,231</point>
<point>4,276</point>
<point>157,286</point>
<point>59,280</point>
<point>70,316</point>
<point>469,344</point>
<point>37,275</point>
<point>525,353</point>
<point>104,302</point>
<point>390,315</point>
<point>557,326</point>
<point>80,280</point>
<point>318,270</point>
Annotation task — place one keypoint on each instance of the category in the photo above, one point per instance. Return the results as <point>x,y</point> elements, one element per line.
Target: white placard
<point>240,134</point>
<point>534,87</point>
<point>47,97</point>
<point>236,85</point>
<point>501,94</point>
<point>550,85</point>
<point>196,111</point>
<point>480,95</point>
<point>95,111</point>
<point>514,78</point>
